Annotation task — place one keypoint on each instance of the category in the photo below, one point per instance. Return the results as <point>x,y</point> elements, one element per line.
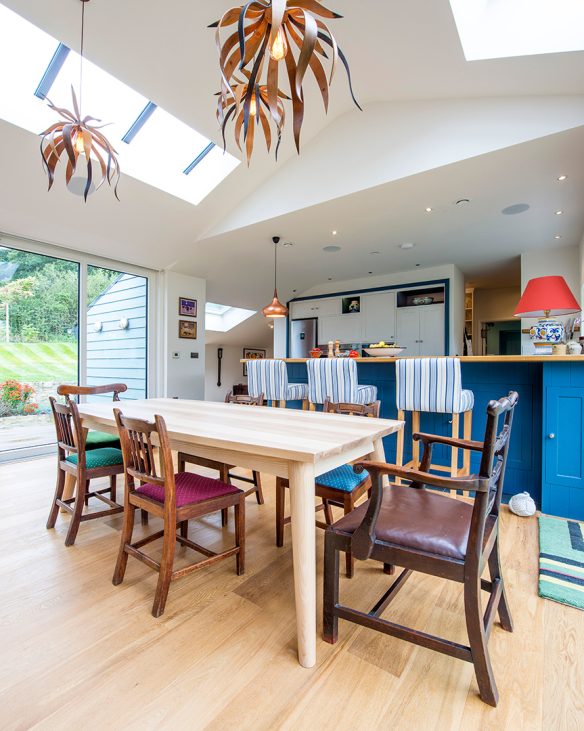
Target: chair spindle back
<point>68,428</point>
<point>371,410</point>
<point>244,400</point>
<point>114,388</point>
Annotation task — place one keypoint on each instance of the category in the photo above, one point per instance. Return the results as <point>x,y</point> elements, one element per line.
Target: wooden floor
<point>78,652</point>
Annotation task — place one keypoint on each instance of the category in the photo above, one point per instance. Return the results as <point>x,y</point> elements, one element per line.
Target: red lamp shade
<point>546,296</point>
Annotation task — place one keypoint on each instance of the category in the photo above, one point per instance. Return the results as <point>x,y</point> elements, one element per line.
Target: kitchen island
<point>547,446</point>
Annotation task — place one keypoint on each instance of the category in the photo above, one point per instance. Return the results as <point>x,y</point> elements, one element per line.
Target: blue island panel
<point>488,381</point>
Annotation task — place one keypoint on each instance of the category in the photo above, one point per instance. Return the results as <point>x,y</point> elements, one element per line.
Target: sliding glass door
<point>64,321</point>
<point>39,302</point>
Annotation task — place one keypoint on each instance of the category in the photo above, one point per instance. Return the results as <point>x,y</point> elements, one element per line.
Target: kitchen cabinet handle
<point>551,435</point>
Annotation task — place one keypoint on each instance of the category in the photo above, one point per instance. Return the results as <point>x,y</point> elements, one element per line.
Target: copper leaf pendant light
<point>268,32</point>
<point>275,308</point>
<point>79,142</point>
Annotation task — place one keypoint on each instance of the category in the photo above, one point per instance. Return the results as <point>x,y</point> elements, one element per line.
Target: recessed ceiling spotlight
<point>557,236</point>
<point>294,291</point>
<point>515,209</point>
<point>369,272</point>
<point>559,213</point>
<point>562,178</point>
<point>374,253</point>
<point>288,243</point>
<point>462,201</point>
<point>330,279</point>
<point>418,265</point>
<point>407,245</point>
<point>429,210</point>
<point>334,233</point>
<point>331,249</point>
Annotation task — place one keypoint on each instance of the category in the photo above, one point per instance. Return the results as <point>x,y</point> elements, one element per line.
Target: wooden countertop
<point>474,359</point>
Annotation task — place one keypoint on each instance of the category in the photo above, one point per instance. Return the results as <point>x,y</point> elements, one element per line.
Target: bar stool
<point>433,385</point>
<point>270,377</point>
<point>335,380</point>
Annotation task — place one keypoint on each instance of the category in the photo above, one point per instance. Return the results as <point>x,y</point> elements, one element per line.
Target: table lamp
<point>544,297</point>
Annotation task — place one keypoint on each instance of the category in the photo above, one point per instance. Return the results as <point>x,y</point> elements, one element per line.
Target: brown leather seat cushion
<point>420,519</point>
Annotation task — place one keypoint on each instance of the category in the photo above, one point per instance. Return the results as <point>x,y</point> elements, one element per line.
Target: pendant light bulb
<point>253,107</point>
<point>79,145</point>
<point>279,47</point>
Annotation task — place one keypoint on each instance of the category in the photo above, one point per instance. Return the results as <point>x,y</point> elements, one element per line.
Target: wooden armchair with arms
<point>424,530</point>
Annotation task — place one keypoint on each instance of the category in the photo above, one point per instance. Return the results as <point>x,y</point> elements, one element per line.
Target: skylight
<point>159,153</point>
<point>222,318</point>
<point>503,28</point>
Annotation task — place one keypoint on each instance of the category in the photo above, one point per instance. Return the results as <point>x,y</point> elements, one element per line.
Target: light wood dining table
<point>295,444</point>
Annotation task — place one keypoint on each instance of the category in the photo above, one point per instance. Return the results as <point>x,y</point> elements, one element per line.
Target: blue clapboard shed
<point>117,336</point>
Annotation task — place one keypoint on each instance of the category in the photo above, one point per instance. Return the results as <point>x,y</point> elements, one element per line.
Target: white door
<point>408,330</point>
<point>431,330</point>
<point>378,315</point>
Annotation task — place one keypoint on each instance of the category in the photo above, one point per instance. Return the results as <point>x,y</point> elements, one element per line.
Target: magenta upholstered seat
<point>190,488</point>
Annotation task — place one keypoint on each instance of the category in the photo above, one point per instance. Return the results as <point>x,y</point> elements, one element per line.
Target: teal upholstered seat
<point>342,478</point>
<point>106,457</point>
<point>99,439</point>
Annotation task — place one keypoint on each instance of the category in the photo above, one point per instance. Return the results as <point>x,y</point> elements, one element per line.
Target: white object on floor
<point>522,504</point>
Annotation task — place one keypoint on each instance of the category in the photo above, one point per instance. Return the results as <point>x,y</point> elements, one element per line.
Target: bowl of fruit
<point>384,350</point>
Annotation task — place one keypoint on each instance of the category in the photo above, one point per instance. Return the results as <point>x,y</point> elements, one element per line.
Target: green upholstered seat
<point>99,439</point>
<point>106,457</point>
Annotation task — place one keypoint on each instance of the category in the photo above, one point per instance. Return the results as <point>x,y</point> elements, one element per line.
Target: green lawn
<point>27,362</point>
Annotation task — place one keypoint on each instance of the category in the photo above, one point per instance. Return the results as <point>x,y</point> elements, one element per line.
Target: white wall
<point>564,262</point>
<point>231,370</point>
<point>456,319</point>
<point>182,377</point>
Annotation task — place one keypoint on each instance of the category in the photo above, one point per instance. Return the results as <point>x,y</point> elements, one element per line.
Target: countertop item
<point>384,352</point>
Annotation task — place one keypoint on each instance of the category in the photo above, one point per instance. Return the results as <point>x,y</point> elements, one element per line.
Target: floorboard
<point>79,652</point>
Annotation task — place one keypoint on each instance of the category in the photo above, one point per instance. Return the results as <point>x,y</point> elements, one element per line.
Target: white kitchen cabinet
<point>315,308</point>
<point>421,329</point>
<point>346,328</point>
<point>378,317</point>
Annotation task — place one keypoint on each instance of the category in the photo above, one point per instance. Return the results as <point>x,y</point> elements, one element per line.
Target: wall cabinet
<point>421,329</point>
<point>315,308</point>
<point>346,328</point>
<point>378,317</point>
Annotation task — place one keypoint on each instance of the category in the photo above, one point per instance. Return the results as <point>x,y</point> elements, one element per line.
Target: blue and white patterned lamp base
<point>547,331</point>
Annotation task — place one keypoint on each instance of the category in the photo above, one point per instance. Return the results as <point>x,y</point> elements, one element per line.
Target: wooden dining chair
<point>96,439</point>
<point>340,487</point>
<point>176,499</point>
<point>423,530</point>
<point>73,458</point>
<point>224,470</point>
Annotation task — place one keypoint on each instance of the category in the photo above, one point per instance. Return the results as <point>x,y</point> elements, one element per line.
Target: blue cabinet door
<point>563,448</point>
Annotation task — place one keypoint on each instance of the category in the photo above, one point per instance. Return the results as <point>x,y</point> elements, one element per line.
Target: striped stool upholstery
<point>433,385</point>
<point>335,380</point>
<point>270,377</point>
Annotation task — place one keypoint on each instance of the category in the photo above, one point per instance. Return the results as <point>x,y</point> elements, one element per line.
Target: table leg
<point>301,478</point>
<point>379,456</point>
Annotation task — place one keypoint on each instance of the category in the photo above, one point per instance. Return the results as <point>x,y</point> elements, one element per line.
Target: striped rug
<point>561,561</point>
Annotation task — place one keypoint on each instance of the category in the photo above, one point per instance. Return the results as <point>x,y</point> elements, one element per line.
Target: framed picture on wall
<point>252,354</point>
<point>187,329</point>
<point>187,307</point>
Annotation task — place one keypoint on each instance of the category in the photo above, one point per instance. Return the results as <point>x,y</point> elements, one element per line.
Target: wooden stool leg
<point>77,511</point>
<point>280,503</point>
<point>282,404</point>
<point>330,629</point>
<point>165,573</point>
<point>399,456</point>
<point>58,496</point>
<point>305,405</point>
<point>478,640</point>
<point>126,538</point>
<point>240,537</point>
<point>467,433</point>
<point>454,456</point>
<point>415,445</point>
<point>257,481</point>
<point>312,406</point>
<point>349,560</point>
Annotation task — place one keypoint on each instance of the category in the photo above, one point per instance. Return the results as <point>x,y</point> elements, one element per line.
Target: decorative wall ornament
<point>267,33</point>
<point>80,142</point>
